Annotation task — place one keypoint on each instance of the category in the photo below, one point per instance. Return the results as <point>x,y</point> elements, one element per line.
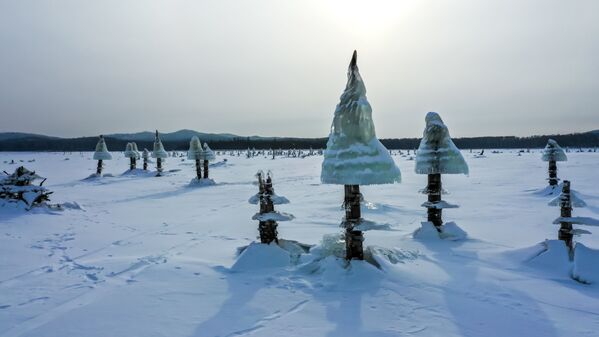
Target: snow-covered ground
<point>148,256</point>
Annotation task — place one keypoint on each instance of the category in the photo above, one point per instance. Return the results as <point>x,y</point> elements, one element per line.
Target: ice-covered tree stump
<point>354,156</point>
<point>436,155</point>
<point>132,153</point>
<point>566,201</point>
<point>196,153</point>
<point>552,154</point>
<point>267,216</point>
<point>159,153</point>
<point>101,154</point>
<point>18,188</point>
<point>145,155</point>
<point>208,156</point>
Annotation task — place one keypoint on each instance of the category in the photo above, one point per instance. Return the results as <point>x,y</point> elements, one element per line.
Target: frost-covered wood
<point>354,156</point>
<point>101,154</point>
<point>132,153</point>
<point>207,156</point>
<point>267,216</point>
<point>159,153</point>
<point>196,153</point>
<point>18,188</point>
<point>436,155</point>
<point>552,154</point>
<point>145,155</point>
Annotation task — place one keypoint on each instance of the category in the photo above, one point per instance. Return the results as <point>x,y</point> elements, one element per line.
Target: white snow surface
<point>146,256</point>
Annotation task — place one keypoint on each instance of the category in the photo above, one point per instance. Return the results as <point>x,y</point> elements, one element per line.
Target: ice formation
<point>208,153</point>
<point>102,150</point>
<point>159,151</point>
<point>195,149</point>
<point>145,154</point>
<point>437,153</point>
<point>553,152</point>
<point>131,151</point>
<point>354,156</point>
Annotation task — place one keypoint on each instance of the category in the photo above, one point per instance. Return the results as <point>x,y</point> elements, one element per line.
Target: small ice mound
<point>259,256</point>
<point>138,172</point>
<point>449,231</point>
<point>549,190</point>
<point>553,257</point>
<point>332,248</point>
<point>71,205</point>
<point>330,245</point>
<point>366,225</point>
<point>276,199</point>
<point>273,216</point>
<point>383,257</point>
<point>585,264</point>
<point>195,182</point>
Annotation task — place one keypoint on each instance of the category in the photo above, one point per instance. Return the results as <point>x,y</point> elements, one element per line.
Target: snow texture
<point>575,199</point>
<point>273,216</point>
<point>449,231</point>
<point>131,151</point>
<point>354,156</point>
<point>585,264</point>
<point>553,152</point>
<point>439,204</point>
<point>102,150</point>
<point>437,153</point>
<point>259,256</point>
<point>578,220</point>
<point>195,182</point>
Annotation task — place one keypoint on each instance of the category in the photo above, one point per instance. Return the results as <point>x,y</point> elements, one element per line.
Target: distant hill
<point>179,140</point>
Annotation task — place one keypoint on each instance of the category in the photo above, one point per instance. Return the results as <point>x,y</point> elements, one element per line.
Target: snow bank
<point>449,231</point>
<point>258,256</point>
<point>585,265</point>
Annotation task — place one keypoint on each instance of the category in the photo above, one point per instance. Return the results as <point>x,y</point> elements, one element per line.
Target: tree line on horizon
<point>574,140</point>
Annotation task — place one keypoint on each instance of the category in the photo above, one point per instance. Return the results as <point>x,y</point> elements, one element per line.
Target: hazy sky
<point>278,67</point>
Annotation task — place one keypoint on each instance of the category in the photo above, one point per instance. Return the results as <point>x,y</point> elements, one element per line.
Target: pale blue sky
<point>277,68</point>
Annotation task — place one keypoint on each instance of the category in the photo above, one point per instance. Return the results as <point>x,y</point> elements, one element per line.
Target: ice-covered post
<point>565,204</point>
<point>267,216</point>
<point>208,156</point>
<point>101,154</point>
<point>436,155</point>
<point>552,154</point>
<point>196,153</point>
<point>146,155</point>
<point>159,153</point>
<point>354,156</point>
<point>132,153</point>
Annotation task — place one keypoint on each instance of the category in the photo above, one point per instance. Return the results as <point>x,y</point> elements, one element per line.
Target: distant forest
<point>576,140</point>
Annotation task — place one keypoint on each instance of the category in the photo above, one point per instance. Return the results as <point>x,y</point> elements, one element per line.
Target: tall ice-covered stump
<point>354,156</point>
<point>552,153</point>
<point>196,153</point>
<point>159,153</point>
<point>437,155</point>
<point>145,155</point>
<point>208,157</point>
<point>101,154</point>
<point>565,231</point>
<point>132,153</point>
<point>267,216</point>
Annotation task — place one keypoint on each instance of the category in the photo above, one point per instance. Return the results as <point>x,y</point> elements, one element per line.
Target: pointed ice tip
<point>354,60</point>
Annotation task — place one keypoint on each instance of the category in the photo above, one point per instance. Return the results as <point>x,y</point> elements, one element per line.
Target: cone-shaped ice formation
<point>195,149</point>
<point>208,153</point>
<point>131,151</point>
<point>437,153</point>
<point>102,150</point>
<point>159,151</point>
<point>145,154</point>
<point>553,152</point>
<point>354,156</point>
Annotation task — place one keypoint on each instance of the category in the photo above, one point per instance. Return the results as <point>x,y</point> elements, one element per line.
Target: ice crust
<point>354,156</point>
<point>437,153</point>
<point>553,152</point>
<point>102,150</point>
